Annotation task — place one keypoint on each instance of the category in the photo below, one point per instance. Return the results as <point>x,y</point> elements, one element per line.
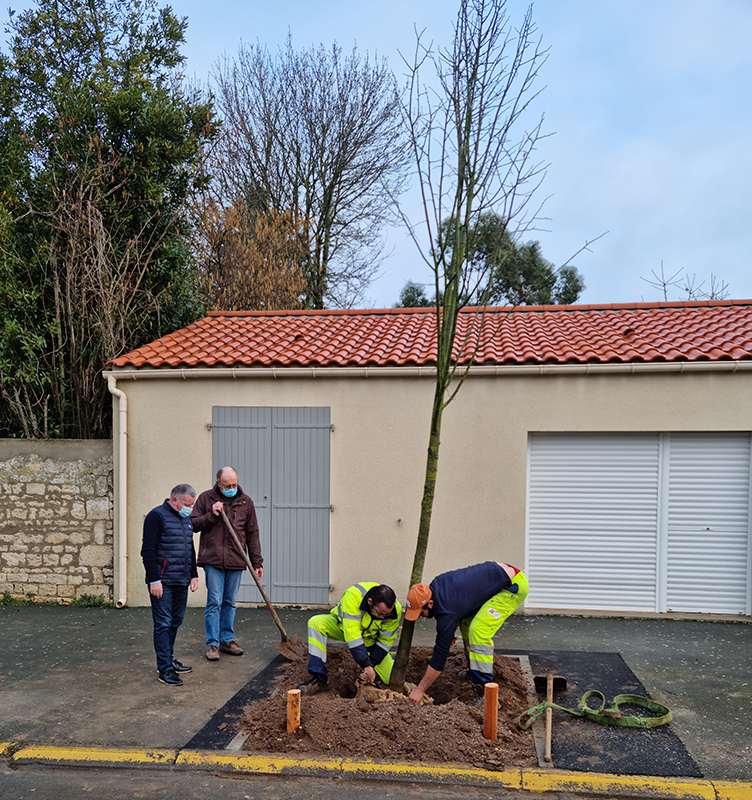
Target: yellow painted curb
<point>528,780</point>
<point>270,764</point>
<point>726,790</point>
<point>91,756</point>
<point>618,785</point>
<point>432,773</point>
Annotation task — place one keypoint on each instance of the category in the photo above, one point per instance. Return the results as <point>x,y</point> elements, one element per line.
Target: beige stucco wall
<point>379,445</point>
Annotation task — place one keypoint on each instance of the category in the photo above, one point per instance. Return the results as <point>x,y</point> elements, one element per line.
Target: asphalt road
<point>34,783</point>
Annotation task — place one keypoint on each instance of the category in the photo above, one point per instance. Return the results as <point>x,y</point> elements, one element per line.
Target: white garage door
<point>639,522</point>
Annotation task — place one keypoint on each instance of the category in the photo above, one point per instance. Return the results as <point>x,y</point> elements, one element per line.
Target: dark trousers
<point>167,612</point>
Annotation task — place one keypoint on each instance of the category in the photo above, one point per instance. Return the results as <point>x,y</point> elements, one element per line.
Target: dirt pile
<point>337,723</point>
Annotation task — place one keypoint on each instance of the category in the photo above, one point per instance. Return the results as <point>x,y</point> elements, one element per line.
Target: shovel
<point>253,573</point>
<point>551,684</point>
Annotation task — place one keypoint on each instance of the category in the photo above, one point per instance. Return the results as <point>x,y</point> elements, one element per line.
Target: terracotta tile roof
<point>696,331</point>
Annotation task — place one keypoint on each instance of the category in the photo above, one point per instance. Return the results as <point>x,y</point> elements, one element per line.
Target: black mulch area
<point>220,730</point>
<point>577,744</point>
<point>584,746</point>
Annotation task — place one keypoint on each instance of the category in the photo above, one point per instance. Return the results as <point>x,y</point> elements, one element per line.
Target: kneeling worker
<point>367,618</point>
<point>479,599</point>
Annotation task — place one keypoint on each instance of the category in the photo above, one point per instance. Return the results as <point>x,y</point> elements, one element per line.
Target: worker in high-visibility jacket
<point>478,600</point>
<point>367,618</point>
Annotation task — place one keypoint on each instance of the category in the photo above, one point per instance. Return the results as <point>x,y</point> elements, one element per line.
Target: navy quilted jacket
<point>167,551</point>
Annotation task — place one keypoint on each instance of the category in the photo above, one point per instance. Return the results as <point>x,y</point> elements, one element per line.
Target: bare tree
<point>315,133</point>
<point>101,298</point>
<point>688,285</point>
<point>473,141</point>
<point>249,260</point>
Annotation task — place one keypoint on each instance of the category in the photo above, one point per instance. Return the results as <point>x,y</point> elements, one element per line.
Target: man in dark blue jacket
<point>170,562</point>
<point>478,599</point>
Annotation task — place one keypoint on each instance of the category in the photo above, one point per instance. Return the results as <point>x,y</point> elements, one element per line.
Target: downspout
<point>122,587</point>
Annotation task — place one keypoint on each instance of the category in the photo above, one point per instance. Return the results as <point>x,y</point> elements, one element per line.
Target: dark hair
<point>383,594</point>
<point>183,489</point>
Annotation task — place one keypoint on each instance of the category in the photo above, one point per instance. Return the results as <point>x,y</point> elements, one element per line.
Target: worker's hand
<point>259,572</point>
<point>415,696</point>
<point>155,589</point>
<point>217,508</point>
<point>193,584</point>
<point>368,675</point>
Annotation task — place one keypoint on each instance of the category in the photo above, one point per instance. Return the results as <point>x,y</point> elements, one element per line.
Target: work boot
<point>464,675</point>
<point>212,653</point>
<point>230,648</point>
<point>314,686</point>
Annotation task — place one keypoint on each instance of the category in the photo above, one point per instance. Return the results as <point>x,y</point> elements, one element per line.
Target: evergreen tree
<point>102,148</point>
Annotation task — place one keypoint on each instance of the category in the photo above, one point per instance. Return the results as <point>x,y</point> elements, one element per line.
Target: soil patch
<point>335,722</point>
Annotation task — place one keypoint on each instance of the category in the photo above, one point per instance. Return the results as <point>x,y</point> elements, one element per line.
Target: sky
<point>649,107</point>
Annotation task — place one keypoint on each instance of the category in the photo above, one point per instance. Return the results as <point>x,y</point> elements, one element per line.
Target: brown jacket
<point>217,548</point>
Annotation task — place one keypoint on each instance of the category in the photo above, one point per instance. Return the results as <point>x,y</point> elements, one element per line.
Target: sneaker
<point>314,686</point>
<point>179,667</point>
<point>231,648</point>
<point>170,677</point>
<point>212,653</point>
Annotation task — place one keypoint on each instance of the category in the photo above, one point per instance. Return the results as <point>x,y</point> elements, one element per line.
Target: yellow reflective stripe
<point>317,642</point>
<point>486,667</point>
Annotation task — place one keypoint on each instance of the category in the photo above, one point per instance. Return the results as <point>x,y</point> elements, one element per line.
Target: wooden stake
<point>293,710</point>
<point>549,717</point>
<point>490,711</point>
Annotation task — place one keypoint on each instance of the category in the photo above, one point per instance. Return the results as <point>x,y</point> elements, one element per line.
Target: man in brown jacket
<point>218,554</point>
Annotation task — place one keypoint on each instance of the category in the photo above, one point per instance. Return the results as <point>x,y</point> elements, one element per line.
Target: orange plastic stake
<point>293,710</point>
<point>491,711</point>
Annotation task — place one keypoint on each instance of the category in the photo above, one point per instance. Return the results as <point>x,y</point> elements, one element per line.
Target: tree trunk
<point>429,488</point>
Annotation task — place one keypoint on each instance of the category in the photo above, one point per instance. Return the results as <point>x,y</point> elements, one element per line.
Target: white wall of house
<point>378,451</point>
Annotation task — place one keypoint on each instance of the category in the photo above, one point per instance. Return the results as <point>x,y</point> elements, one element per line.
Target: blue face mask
<point>230,492</point>
<point>185,511</point>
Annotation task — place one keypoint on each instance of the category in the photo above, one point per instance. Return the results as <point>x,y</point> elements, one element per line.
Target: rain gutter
<point>500,370</point>
<point>122,537</point>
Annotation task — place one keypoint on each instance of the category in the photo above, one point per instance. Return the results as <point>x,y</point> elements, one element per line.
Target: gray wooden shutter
<point>242,438</point>
<point>300,505</point>
<point>282,458</point>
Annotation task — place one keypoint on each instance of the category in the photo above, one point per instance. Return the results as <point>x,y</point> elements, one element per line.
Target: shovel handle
<point>253,573</point>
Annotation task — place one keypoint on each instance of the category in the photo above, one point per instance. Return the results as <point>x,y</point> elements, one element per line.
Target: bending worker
<point>367,618</point>
<point>479,599</point>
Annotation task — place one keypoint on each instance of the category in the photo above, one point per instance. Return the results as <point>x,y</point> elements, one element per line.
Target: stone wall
<point>56,518</point>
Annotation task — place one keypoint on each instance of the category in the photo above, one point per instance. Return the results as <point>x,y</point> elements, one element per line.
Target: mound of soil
<point>337,723</point>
